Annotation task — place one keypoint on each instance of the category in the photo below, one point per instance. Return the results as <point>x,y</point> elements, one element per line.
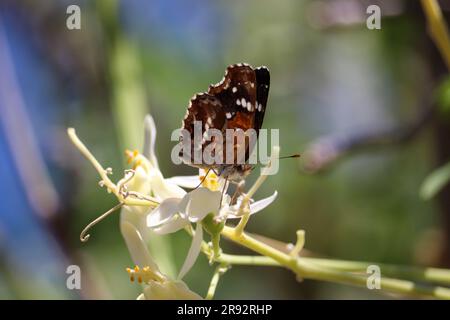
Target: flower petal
<point>136,246</point>
<point>263,203</point>
<point>168,290</point>
<point>149,140</point>
<point>164,212</point>
<point>200,202</point>
<point>255,207</point>
<point>189,182</point>
<point>139,182</point>
<point>162,188</point>
<point>194,251</point>
<point>171,226</point>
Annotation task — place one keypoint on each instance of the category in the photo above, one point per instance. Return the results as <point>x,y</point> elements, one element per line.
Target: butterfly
<point>238,102</point>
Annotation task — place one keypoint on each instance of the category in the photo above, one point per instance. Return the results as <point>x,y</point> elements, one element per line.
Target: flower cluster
<point>152,204</point>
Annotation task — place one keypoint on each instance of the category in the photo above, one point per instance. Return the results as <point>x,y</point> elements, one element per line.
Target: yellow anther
<point>144,275</point>
<point>211,181</point>
<point>131,155</point>
<point>131,273</point>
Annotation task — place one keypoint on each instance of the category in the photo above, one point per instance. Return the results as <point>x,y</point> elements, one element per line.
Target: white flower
<point>174,214</point>
<point>146,179</point>
<point>159,287</point>
<point>144,184</point>
<point>232,212</point>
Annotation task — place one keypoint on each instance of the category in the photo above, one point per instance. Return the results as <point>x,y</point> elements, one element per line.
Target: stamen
<point>77,142</point>
<point>110,186</point>
<point>261,178</point>
<point>210,180</point>
<point>299,244</point>
<point>85,237</point>
<point>144,275</point>
<point>244,207</point>
<point>131,155</point>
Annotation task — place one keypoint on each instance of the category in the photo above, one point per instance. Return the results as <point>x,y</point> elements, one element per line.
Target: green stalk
<point>334,271</point>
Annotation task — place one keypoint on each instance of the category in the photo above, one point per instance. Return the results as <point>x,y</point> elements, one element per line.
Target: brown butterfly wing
<point>237,102</point>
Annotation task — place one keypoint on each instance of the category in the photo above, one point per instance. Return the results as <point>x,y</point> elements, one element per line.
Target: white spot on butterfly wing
<point>234,89</point>
<point>238,102</point>
<point>228,115</point>
<point>249,106</point>
<point>243,102</point>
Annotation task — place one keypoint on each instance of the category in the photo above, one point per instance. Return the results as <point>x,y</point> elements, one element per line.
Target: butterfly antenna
<point>203,179</point>
<point>297,155</point>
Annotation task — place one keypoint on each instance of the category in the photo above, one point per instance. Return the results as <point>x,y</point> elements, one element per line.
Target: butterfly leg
<point>238,191</point>
<point>223,192</point>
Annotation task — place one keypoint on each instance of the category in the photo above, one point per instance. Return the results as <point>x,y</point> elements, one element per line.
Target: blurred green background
<point>331,77</point>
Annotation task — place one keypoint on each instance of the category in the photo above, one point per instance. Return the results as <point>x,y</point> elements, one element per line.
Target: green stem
<point>435,275</point>
<point>215,239</point>
<point>311,271</point>
<point>214,282</point>
<point>307,269</point>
